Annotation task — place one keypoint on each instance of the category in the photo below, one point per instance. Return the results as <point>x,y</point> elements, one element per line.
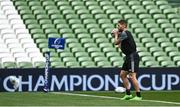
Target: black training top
<point>128,44</point>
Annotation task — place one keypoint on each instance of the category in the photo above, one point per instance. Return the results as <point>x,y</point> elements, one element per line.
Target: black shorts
<point>131,62</point>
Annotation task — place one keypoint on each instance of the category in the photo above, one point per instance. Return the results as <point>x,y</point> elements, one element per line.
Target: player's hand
<point>115,32</point>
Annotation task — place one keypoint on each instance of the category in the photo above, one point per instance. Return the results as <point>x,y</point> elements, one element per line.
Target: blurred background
<point>26,25</point>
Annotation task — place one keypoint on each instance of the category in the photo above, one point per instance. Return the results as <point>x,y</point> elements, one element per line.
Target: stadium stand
<point>86,25</point>
<point>17,46</point>
<point>174,3</point>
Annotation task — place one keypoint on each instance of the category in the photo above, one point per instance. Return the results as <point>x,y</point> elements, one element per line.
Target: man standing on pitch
<point>124,39</point>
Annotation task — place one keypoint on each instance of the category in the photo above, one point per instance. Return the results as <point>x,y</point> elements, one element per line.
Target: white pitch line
<point>106,97</point>
<point>85,95</point>
<point>167,102</point>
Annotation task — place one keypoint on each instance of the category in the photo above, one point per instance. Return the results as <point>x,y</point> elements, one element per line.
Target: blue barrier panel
<point>88,79</point>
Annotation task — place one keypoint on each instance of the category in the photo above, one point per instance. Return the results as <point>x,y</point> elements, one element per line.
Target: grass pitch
<point>99,98</point>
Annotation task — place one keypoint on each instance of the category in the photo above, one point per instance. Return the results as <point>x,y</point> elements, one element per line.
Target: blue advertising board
<point>88,79</point>
<point>57,43</point>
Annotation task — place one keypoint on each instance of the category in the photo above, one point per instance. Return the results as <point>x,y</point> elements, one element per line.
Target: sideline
<point>107,97</point>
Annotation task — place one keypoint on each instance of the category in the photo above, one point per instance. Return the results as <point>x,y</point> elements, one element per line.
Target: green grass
<point>60,99</point>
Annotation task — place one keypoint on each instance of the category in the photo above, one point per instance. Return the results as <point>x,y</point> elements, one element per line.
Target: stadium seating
<point>16,44</point>
<point>174,3</point>
<point>86,25</point>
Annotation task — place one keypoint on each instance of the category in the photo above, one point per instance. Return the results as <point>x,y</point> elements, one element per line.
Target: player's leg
<point>133,74</point>
<point>134,81</point>
<point>125,80</point>
<point>123,75</point>
<point>136,86</point>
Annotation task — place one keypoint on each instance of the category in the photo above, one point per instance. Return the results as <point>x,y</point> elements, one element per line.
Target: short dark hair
<point>122,21</point>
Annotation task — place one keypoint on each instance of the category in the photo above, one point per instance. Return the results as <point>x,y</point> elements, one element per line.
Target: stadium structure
<point>90,61</point>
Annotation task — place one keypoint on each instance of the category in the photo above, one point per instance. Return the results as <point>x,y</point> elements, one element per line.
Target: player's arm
<point>117,39</point>
<point>123,36</point>
<point>115,33</point>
